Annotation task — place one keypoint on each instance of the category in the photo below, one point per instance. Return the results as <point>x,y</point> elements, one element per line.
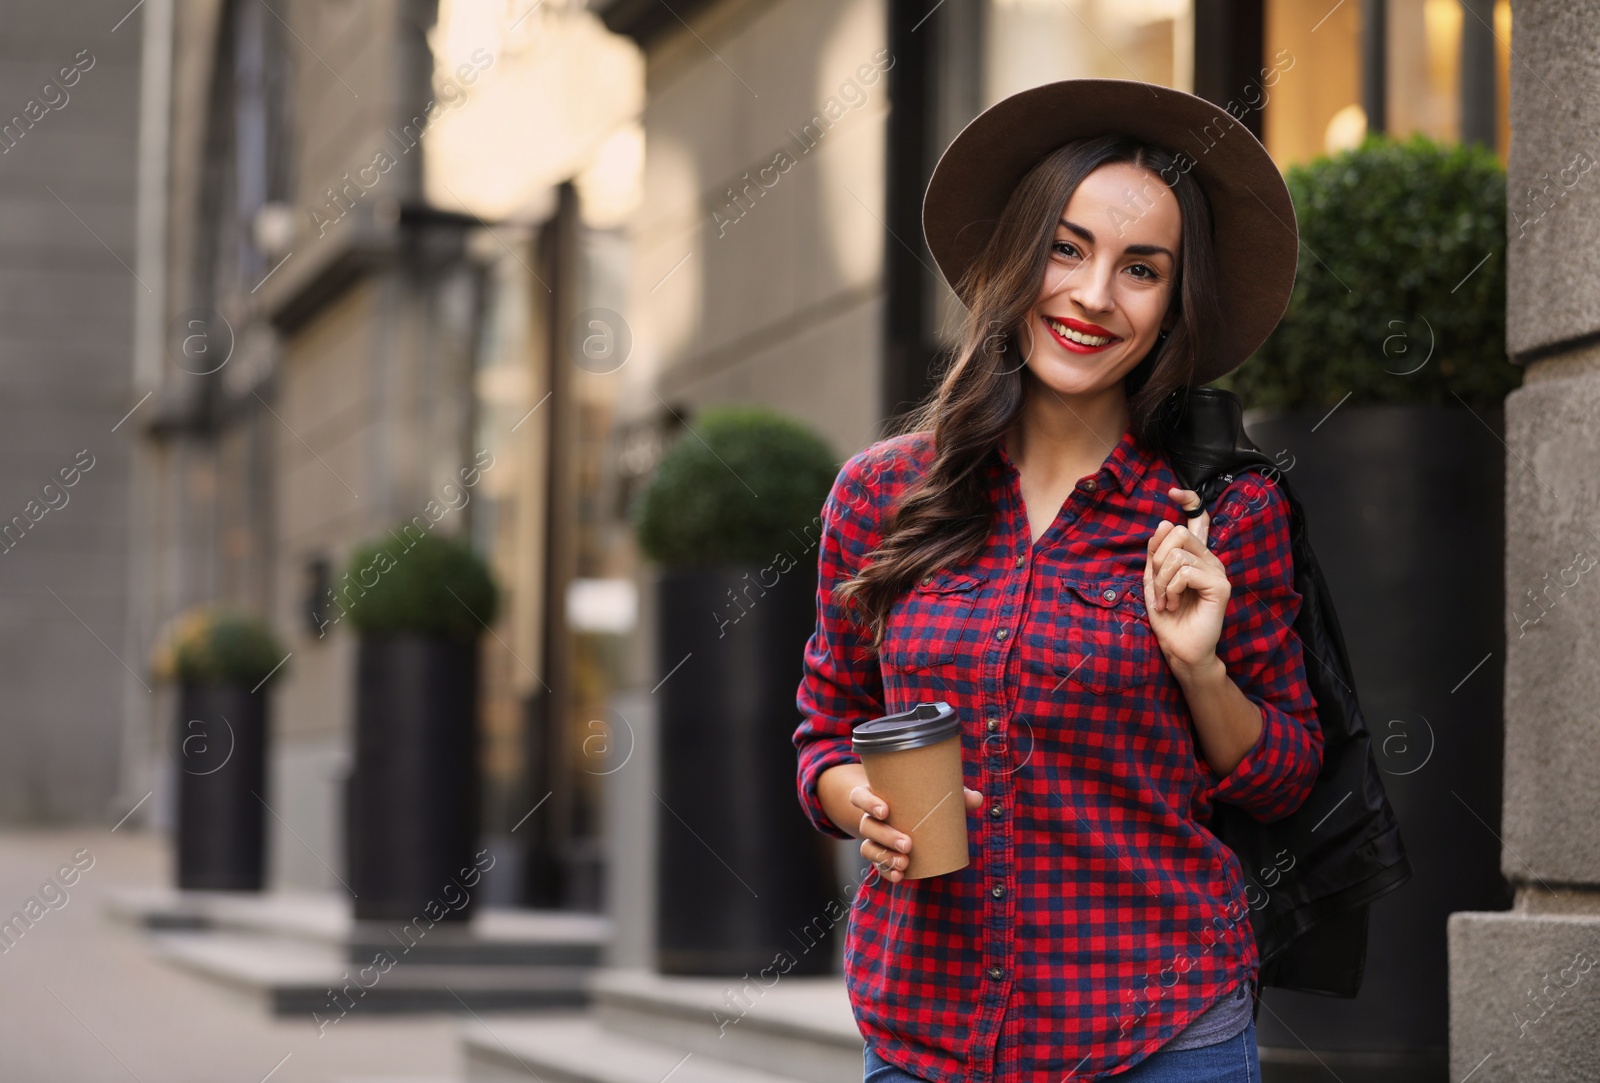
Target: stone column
<point>1525,984</point>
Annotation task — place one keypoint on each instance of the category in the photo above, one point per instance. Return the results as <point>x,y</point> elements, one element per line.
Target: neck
<point>1067,429</point>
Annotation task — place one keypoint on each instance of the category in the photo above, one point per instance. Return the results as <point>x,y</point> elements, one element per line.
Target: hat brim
<point>1256,235</point>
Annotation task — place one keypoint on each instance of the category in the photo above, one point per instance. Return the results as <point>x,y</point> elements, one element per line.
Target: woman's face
<point>1108,283</point>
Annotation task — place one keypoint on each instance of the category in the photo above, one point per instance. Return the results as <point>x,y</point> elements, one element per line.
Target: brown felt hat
<point>1256,236</point>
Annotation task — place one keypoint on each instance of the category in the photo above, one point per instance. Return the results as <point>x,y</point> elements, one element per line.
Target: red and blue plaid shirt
<point>1098,915</point>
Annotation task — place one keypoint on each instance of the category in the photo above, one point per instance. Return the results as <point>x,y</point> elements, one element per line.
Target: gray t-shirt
<point>1223,1020</point>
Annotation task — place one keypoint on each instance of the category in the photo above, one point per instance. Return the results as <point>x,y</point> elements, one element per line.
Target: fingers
<point>885,846</point>
<point>1183,572</point>
<point>1174,547</point>
<point>1170,536</point>
<point>891,864</point>
<point>863,798</point>
<point>1190,534</point>
<point>1172,577</point>
<point>1188,499</point>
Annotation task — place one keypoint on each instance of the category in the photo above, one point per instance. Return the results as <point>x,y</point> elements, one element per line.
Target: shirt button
<point>994,812</point>
<point>997,891</point>
<point>996,973</point>
<point>1022,558</point>
<point>994,724</point>
<point>1089,484</point>
<point>1109,595</point>
<point>1001,634</point>
<point>927,579</point>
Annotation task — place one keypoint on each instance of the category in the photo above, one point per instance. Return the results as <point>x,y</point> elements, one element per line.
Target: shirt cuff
<point>1272,780</point>
<point>817,758</point>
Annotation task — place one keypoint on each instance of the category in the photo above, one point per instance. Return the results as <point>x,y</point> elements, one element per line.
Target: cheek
<point>1054,278</point>
<point>1144,309</point>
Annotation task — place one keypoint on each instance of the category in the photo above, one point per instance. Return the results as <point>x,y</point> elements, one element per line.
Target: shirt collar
<point>1124,466</point>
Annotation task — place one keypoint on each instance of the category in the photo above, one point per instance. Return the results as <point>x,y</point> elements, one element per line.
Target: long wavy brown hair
<point>945,517</point>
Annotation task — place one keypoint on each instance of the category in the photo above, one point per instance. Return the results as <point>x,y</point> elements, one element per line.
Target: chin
<point>1071,376</point>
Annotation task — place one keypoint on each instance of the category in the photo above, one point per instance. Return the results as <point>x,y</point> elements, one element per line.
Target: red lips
<point>1085,328</point>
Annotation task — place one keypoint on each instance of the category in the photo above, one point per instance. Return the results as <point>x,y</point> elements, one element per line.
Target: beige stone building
<point>370,239</point>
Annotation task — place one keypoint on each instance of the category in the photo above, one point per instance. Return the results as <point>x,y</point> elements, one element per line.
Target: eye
<point>1058,245</point>
<point>1151,275</point>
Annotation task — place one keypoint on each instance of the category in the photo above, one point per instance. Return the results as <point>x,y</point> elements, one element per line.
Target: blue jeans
<point>1232,1060</point>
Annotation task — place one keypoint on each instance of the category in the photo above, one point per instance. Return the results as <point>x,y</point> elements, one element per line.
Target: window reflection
<point>1310,91</point>
<point>1030,42</point>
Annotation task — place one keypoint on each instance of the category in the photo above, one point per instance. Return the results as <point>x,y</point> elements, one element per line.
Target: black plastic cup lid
<point>924,724</point>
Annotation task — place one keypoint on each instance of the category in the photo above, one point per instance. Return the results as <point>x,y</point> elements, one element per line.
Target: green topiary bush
<point>220,645</point>
<point>744,484</point>
<point>1391,233</point>
<point>409,581</point>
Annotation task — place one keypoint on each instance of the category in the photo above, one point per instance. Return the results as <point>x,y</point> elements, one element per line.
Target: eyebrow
<point>1132,249</point>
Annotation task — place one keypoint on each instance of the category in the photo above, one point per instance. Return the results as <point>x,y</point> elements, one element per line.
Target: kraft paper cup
<point>913,762</point>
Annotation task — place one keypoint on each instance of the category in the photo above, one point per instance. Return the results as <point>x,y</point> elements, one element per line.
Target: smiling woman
<point>1091,241</point>
<point>1017,552</point>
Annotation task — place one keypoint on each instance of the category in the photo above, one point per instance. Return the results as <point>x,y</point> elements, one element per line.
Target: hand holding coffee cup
<point>914,792</point>
<point>885,846</point>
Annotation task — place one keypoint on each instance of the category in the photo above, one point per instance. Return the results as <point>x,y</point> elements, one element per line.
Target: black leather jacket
<point>1314,872</point>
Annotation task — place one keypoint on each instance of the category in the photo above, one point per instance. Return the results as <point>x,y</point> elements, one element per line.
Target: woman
<point>1117,666</point>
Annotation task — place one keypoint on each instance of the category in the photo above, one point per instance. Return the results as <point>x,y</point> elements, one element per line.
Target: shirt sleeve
<point>1262,653</point>
<point>842,684</point>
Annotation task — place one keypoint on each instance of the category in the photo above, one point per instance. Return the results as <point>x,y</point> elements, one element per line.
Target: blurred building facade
<point>369,229</point>
<point>69,124</point>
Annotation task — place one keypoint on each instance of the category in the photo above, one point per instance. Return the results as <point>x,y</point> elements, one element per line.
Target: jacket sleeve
<point>1262,653</point>
<point>842,684</point>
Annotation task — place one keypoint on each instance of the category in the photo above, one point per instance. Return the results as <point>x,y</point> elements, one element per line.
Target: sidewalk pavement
<point>82,1000</point>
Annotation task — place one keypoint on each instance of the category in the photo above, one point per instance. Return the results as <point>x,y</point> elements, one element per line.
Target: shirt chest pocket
<point>931,621</point>
<point>1103,640</point>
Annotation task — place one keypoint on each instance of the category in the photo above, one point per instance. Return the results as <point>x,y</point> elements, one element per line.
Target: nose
<point>1088,285</point>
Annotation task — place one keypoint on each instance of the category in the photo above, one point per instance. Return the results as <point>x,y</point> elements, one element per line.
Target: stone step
<point>292,976</point>
<point>801,1022</point>
<point>494,936</point>
<point>578,1049</point>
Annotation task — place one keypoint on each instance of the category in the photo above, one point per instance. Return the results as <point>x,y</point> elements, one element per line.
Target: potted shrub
<point>1381,395</point>
<point>732,517</point>
<point>224,661</point>
<point>419,603</point>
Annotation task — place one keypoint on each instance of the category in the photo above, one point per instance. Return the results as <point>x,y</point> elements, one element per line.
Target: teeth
<point>1077,336</point>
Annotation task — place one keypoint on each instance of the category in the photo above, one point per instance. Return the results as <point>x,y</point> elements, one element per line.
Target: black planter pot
<point>413,793</point>
<point>742,876</point>
<point>1405,507</point>
<point>220,749</point>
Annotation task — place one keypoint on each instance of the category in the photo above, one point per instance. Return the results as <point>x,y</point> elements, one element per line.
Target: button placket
<point>998,937</point>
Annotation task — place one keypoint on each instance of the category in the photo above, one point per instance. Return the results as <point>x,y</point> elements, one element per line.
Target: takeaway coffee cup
<point>913,762</point>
